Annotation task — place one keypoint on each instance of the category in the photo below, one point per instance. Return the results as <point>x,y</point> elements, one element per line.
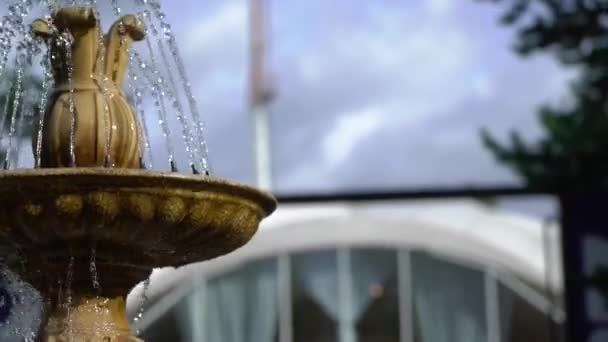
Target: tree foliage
<point>573,153</point>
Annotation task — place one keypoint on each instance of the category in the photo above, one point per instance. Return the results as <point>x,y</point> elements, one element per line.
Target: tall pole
<point>260,94</point>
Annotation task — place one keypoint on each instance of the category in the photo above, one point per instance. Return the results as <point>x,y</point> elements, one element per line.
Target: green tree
<point>573,153</point>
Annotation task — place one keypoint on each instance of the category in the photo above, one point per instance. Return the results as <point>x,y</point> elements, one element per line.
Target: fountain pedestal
<point>91,320</point>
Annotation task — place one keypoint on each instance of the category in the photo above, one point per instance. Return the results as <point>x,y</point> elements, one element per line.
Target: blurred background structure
<point>449,270</point>
<point>473,269</point>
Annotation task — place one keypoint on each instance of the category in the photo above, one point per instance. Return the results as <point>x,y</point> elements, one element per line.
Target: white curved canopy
<point>465,230</point>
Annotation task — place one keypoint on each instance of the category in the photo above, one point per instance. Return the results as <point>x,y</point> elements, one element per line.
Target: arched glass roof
<point>466,230</point>
<point>347,294</point>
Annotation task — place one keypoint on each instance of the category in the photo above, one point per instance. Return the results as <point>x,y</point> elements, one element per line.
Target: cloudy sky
<point>370,94</point>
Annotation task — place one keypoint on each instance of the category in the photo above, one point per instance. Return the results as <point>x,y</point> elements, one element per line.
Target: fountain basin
<point>133,220</point>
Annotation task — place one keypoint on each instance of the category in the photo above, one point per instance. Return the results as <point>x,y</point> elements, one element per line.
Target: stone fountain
<point>89,220</point>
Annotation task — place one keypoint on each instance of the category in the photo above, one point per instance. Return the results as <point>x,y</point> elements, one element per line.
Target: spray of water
<point>167,32</point>
<point>105,91</point>
<point>136,94</point>
<point>170,90</point>
<point>142,305</point>
<point>15,110</point>
<point>17,297</point>
<point>66,42</point>
<point>143,68</point>
<point>93,270</point>
<point>157,82</point>
<point>69,297</point>
<point>25,117</point>
<point>47,82</point>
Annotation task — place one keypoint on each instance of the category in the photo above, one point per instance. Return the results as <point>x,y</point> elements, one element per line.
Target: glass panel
<point>375,301</point>
<point>242,306</point>
<point>449,302</point>
<point>521,321</point>
<point>239,306</point>
<point>168,327</point>
<point>315,296</point>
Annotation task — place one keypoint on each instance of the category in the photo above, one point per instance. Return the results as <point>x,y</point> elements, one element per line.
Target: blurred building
<point>457,271</point>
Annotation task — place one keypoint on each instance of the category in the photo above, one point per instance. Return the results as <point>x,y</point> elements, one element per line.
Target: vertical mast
<point>260,94</point>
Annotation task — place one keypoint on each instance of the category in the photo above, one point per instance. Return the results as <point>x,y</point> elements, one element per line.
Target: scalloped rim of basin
<point>138,219</point>
<point>19,181</point>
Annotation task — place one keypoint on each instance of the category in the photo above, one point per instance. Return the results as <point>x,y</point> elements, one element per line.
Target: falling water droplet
<point>68,297</point>
<point>93,269</point>
<point>5,111</point>
<point>116,8</point>
<point>159,103</point>
<point>142,305</point>
<point>103,79</point>
<point>23,118</point>
<point>60,291</point>
<point>15,109</point>
<point>13,26</point>
<point>171,90</point>
<point>166,91</point>
<point>67,42</point>
<point>154,5</point>
<point>47,80</point>
<point>144,133</point>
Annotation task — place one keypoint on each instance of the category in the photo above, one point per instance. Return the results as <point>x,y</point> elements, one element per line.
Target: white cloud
<point>227,26</point>
<point>394,69</point>
<point>439,7</point>
<point>311,68</point>
<point>349,129</point>
<point>482,86</point>
<point>410,84</point>
<point>403,58</point>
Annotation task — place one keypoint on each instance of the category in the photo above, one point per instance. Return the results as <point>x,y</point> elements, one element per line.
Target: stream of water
<point>157,84</point>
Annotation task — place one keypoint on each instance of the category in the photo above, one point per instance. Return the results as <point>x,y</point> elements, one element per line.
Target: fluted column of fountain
<point>89,122</point>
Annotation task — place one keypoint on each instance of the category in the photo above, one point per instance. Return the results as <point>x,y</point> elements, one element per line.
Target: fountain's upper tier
<point>78,31</point>
<point>89,121</point>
